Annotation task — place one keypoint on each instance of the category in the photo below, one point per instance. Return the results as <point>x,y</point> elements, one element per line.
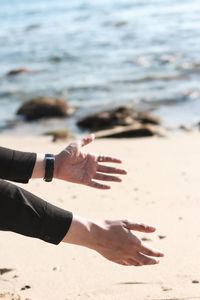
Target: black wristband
<point>49,167</point>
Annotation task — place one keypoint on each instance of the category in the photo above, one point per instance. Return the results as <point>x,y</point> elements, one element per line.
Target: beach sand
<point>162,188</point>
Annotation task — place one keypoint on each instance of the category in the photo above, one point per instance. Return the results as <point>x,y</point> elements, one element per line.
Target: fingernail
<point>151,228</point>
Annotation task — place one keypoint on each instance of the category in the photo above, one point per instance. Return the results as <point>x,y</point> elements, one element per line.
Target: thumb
<point>87,140</point>
<point>139,227</point>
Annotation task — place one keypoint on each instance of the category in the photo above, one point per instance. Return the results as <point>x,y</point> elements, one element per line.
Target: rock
<point>120,116</point>
<point>5,270</point>
<point>161,237</point>
<point>195,281</point>
<point>132,131</point>
<point>148,118</point>
<point>145,239</point>
<point>26,287</point>
<point>57,268</point>
<point>17,72</point>
<point>43,107</point>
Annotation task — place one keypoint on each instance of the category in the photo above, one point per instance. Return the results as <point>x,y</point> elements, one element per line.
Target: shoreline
<point>47,126</point>
<point>161,188</point>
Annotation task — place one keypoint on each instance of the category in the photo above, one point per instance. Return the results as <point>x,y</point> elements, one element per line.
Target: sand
<point>162,188</point>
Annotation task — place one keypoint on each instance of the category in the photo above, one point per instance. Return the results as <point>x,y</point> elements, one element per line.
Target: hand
<point>114,240</point>
<point>74,165</point>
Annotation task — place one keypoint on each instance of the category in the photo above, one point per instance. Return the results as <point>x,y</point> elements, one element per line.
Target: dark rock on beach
<point>132,131</point>
<point>26,287</point>
<point>148,118</point>
<point>17,72</point>
<point>122,122</point>
<point>5,270</point>
<point>43,107</point>
<point>195,281</point>
<point>161,237</point>
<point>120,116</point>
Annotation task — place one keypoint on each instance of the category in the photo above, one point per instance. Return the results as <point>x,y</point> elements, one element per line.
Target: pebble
<point>5,270</point>
<point>195,281</point>
<point>145,239</point>
<point>26,287</point>
<point>57,268</point>
<point>162,237</point>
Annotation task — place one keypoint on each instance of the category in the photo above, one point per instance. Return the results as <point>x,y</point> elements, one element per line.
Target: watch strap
<point>49,167</point>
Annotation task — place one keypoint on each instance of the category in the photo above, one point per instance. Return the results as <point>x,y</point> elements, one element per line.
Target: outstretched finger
<point>105,158</point>
<point>87,140</point>
<point>130,262</point>
<point>150,251</point>
<point>111,170</point>
<point>145,260</point>
<point>97,185</point>
<point>105,177</point>
<point>138,227</point>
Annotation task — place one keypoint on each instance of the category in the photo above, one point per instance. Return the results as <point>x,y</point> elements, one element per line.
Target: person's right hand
<point>75,165</point>
<point>114,240</point>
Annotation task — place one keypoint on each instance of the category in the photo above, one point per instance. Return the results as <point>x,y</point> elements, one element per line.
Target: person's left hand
<point>74,165</point>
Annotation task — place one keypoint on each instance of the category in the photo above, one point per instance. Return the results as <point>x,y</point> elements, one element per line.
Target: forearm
<point>39,167</point>
<point>16,165</point>
<point>27,214</point>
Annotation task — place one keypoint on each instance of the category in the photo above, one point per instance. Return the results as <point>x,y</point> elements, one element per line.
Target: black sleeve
<point>25,213</point>
<point>16,165</point>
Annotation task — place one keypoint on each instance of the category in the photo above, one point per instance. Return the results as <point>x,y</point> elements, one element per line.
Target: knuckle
<point>150,252</point>
<point>144,226</point>
<point>125,222</point>
<point>138,242</point>
<point>86,181</point>
<point>138,264</point>
<point>147,261</point>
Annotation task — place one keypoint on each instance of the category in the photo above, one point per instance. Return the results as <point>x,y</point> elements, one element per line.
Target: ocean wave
<point>173,100</point>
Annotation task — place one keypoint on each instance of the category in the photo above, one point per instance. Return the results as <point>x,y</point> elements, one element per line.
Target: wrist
<point>81,232</point>
<point>56,166</point>
<point>43,168</point>
<point>39,167</point>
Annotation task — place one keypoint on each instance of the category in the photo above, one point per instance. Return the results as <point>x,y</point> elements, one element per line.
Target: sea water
<point>99,54</point>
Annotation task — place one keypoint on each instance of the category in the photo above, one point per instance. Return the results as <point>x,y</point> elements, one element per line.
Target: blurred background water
<point>100,54</point>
